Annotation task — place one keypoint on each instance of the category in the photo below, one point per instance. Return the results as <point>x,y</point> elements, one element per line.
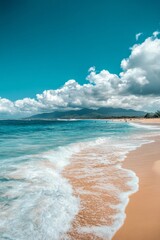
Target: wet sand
<point>143,211</point>
<point>89,179</point>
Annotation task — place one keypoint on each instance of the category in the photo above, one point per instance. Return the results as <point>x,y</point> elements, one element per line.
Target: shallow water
<point>37,201</point>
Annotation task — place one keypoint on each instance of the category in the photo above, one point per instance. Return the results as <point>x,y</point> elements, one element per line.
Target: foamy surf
<point>39,201</point>
<point>103,187</point>
<point>52,188</point>
<point>40,204</point>
<point>147,126</point>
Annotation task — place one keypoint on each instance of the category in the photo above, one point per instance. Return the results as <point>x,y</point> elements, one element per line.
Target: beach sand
<point>150,121</point>
<point>85,176</point>
<point>143,211</point>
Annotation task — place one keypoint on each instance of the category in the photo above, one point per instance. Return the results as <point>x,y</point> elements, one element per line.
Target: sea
<point>40,197</point>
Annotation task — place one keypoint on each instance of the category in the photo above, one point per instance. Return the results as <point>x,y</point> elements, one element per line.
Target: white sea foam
<point>40,202</point>
<point>120,148</point>
<point>67,120</point>
<point>43,208</point>
<point>147,126</point>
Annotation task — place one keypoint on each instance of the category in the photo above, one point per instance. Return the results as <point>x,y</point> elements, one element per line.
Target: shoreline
<point>143,210</point>
<point>142,220</point>
<point>98,185</point>
<point>148,121</point>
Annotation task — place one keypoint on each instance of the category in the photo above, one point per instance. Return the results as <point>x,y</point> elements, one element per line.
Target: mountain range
<point>85,113</point>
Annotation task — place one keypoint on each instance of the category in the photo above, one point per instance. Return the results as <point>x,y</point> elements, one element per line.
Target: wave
<point>102,166</point>
<point>68,119</point>
<point>39,203</point>
<point>147,126</point>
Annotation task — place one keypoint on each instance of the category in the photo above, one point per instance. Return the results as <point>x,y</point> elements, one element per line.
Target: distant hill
<point>86,113</point>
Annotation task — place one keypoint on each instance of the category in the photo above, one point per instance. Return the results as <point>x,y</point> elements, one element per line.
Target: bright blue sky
<point>44,43</point>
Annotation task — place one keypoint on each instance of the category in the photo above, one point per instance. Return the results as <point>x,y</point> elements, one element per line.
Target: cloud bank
<point>137,86</point>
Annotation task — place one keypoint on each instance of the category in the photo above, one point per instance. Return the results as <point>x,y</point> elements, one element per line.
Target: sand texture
<point>88,178</point>
<point>143,211</point>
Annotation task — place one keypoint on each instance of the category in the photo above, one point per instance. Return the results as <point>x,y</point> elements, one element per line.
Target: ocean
<point>44,169</point>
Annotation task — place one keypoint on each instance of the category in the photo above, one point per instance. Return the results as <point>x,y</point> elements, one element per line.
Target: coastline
<point>150,121</point>
<point>143,211</point>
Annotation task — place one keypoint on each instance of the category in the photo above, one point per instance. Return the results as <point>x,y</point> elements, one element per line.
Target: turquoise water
<point>36,201</point>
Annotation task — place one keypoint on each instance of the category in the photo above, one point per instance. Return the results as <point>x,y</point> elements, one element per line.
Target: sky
<point>70,54</point>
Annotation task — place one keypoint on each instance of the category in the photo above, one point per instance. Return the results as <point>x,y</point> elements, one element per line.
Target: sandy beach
<point>143,211</point>
<point>151,121</point>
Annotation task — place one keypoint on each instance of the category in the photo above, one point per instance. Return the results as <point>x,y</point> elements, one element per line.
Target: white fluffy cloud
<point>6,106</point>
<point>141,71</point>
<point>137,86</point>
